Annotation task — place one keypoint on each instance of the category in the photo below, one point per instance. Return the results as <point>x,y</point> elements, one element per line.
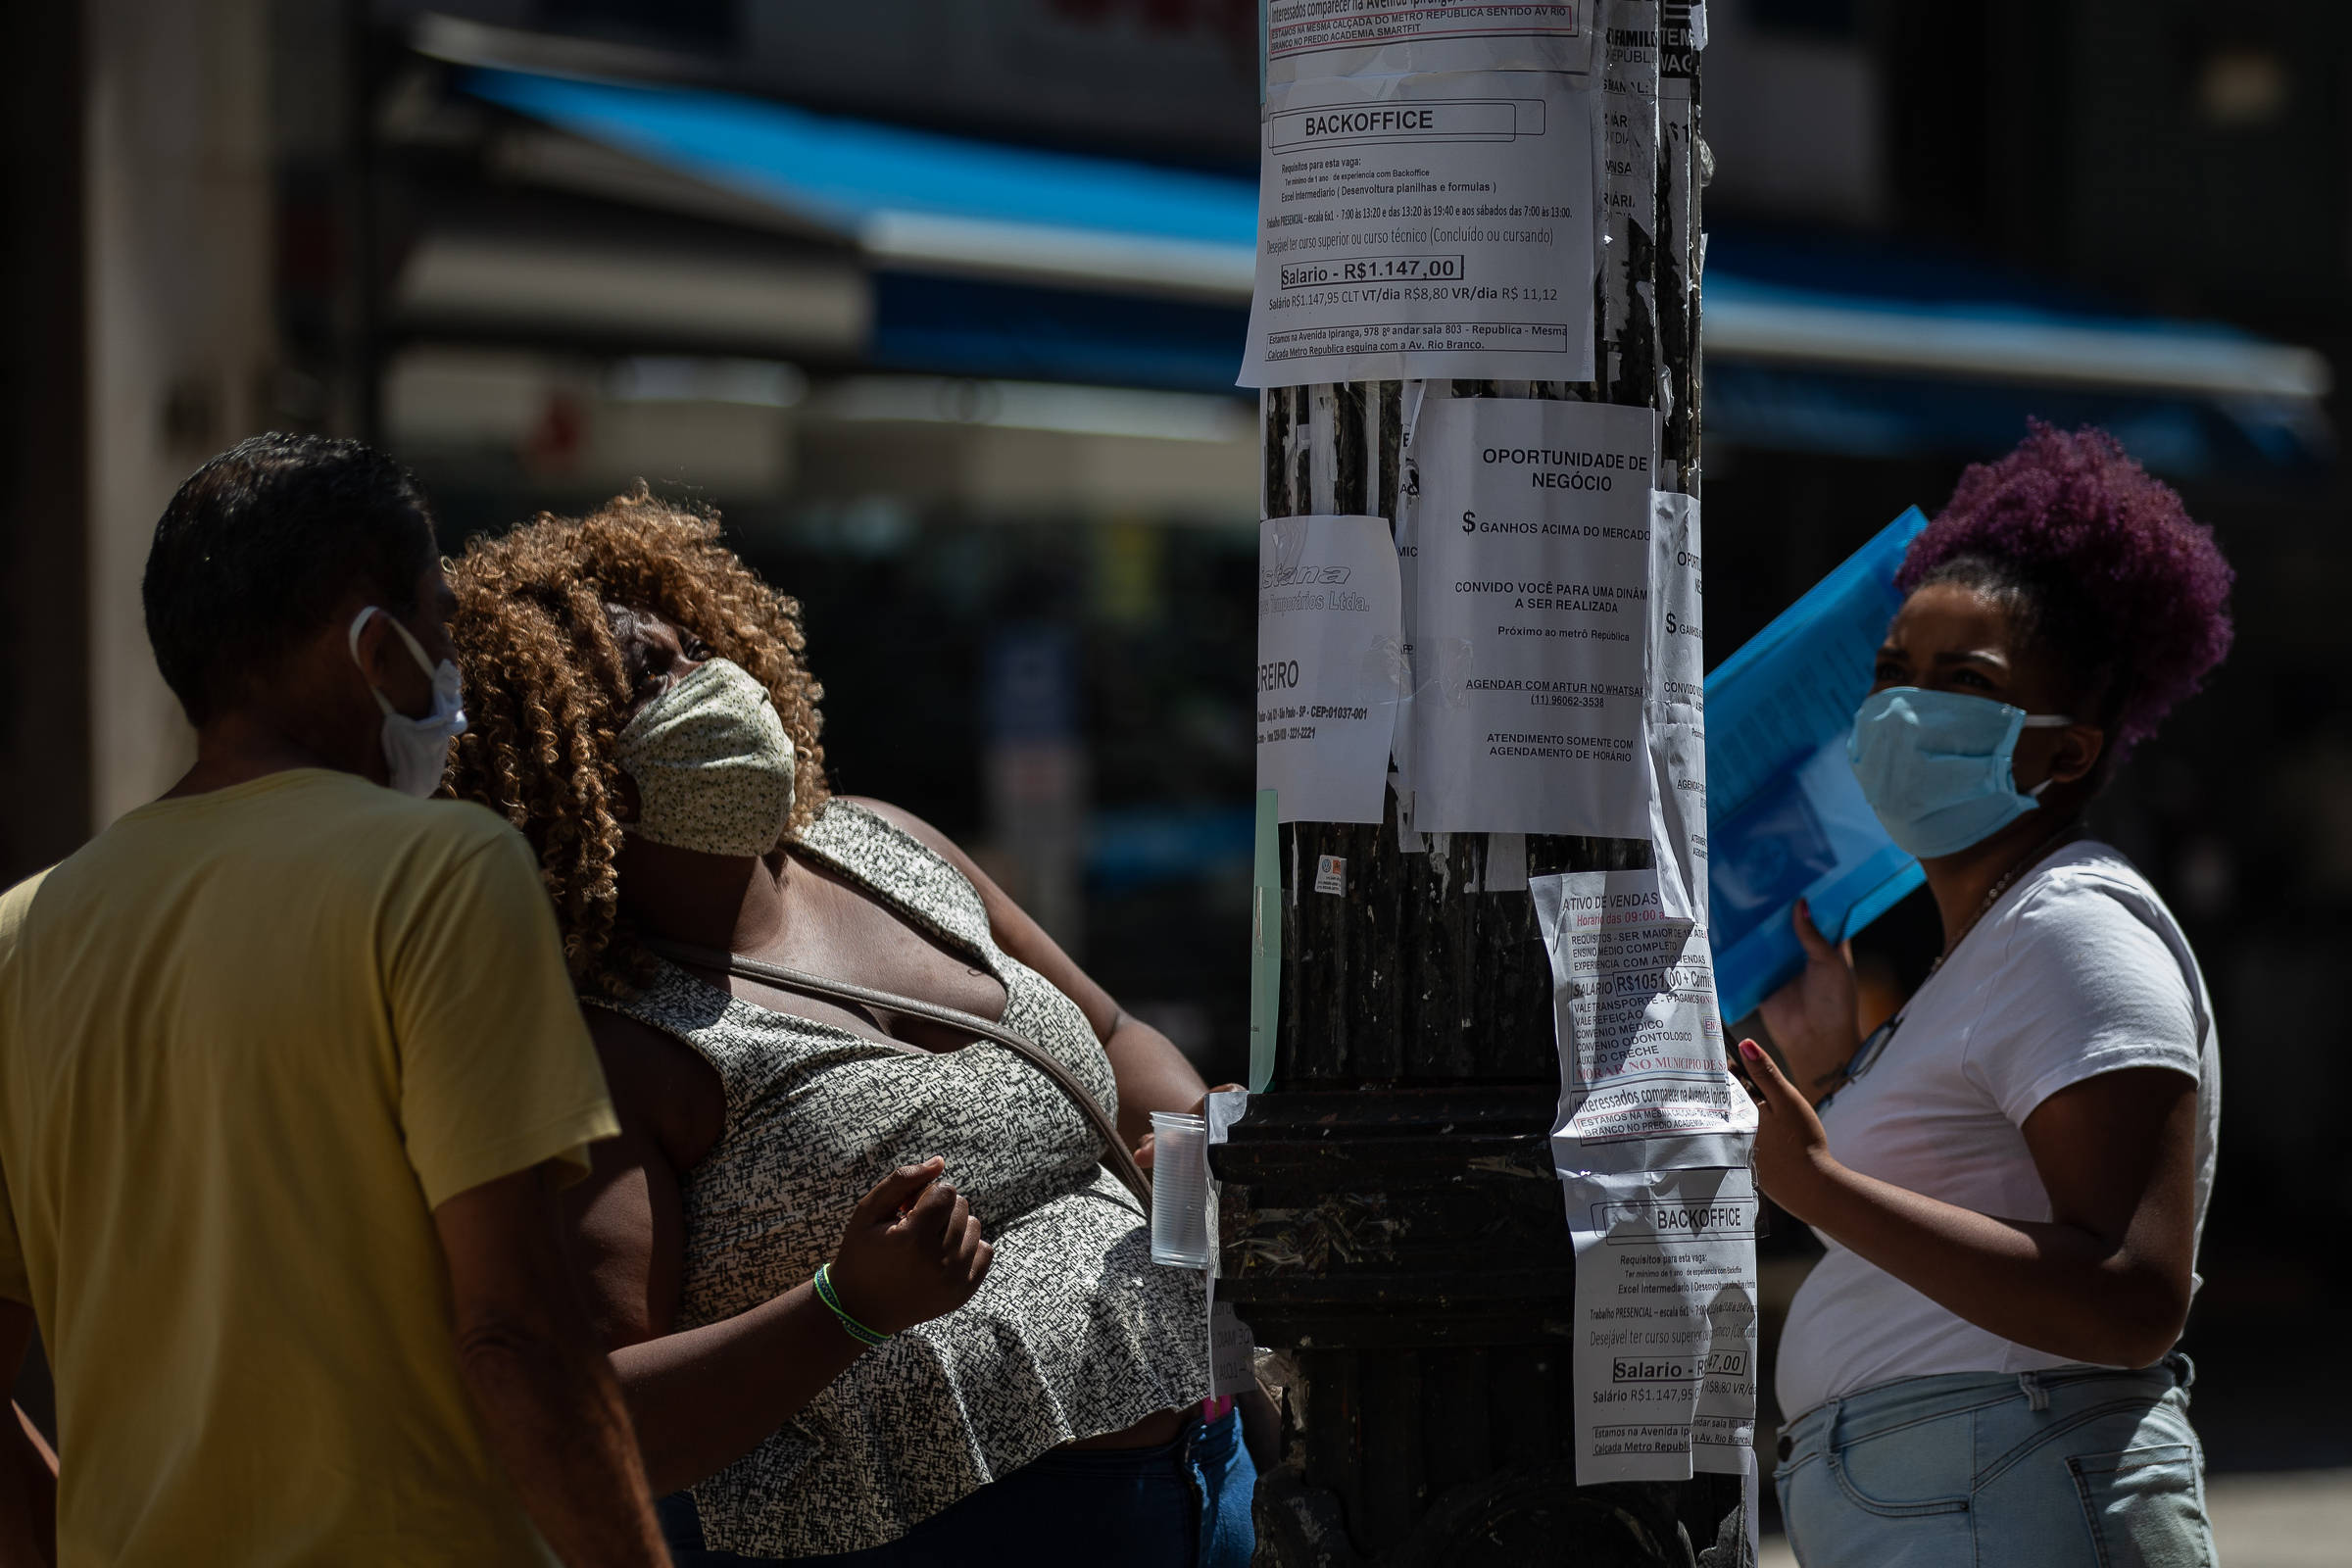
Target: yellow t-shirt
<point>248,1040</point>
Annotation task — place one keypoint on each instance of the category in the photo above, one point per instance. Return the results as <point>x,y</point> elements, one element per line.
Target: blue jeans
<point>1183,1504</point>
<point>2061,1469</point>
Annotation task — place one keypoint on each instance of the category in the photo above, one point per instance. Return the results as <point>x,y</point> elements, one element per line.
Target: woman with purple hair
<point>2009,1176</point>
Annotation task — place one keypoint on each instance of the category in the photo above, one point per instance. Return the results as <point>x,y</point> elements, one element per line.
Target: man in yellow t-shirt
<point>289,1065</point>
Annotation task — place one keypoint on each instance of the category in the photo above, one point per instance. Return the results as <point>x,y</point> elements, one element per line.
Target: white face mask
<point>416,750</point>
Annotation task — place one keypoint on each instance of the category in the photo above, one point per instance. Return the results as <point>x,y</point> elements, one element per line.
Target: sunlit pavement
<point>2300,1519</point>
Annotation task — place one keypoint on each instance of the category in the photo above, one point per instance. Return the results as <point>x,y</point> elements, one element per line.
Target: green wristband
<point>849,1325</point>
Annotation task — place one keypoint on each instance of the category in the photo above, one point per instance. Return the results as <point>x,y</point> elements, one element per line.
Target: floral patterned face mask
<point>712,764</point>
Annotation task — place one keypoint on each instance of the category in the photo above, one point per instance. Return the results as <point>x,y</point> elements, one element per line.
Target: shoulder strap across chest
<point>1121,1162</point>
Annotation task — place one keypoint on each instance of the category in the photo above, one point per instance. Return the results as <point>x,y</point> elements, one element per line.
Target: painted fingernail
<point>1752,1050</point>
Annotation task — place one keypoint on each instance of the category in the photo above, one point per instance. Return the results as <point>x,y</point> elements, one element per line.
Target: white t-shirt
<point>2080,969</point>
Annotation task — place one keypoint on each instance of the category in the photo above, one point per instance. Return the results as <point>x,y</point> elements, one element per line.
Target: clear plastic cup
<point>1179,1189</point>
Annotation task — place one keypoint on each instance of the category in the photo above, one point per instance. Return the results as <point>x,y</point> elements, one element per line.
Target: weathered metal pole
<point>1391,1222</point>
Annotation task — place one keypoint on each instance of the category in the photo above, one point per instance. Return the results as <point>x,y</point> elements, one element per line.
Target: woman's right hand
<point>1812,1016</point>
<point>913,1250</point>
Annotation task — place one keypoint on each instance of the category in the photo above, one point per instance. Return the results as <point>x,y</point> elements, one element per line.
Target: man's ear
<point>2080,747</point>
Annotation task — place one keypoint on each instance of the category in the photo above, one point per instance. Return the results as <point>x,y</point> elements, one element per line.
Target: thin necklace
<point>1993,894</point>
<point>1876,1046</point>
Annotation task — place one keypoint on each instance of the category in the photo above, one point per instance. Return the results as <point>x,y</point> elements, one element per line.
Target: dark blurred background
<point>939,302</point>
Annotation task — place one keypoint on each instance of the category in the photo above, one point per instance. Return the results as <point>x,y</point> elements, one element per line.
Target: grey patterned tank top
<point>1074,1332</point>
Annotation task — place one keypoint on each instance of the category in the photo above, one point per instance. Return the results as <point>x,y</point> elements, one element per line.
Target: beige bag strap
<point>1121,1162</point>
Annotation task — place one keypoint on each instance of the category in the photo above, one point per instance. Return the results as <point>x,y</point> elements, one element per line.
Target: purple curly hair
<point>2103,565</point>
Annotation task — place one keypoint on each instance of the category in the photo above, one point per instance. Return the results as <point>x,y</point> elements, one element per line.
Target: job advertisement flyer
<point>1678,705</point>
<point>1310,40</point>
<point>1665,1359</point>
<point>1425,226</point>
<point>1531,628</point>
<point>1330,665</point>
<point>1644,1084</point>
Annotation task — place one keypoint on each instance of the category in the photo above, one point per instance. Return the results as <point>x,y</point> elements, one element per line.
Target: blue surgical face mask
<point>1935,766</point>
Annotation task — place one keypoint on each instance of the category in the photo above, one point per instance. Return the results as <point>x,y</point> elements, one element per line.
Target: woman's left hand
<point>1145,1150</point>
<point>1812,1017</point>
<point>1793,1163</point>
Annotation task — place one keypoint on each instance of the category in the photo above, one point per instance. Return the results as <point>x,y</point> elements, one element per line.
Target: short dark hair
<point>261,545</point>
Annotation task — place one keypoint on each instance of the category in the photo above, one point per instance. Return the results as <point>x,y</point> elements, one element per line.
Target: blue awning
<point>916,197</point>
<point>997,260</point>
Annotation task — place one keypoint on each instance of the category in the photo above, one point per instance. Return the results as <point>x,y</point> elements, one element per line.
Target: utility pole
<point>1392,1224</point>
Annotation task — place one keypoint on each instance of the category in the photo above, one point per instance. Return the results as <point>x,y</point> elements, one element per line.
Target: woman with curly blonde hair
<point>800,998</point>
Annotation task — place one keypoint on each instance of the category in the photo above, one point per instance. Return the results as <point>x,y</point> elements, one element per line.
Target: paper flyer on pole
<point>1330,665</point>
<point>1310,40</point>
<point>1786,818</point>
<point>1665,1358</point>
<point>1425,226</point>
<point>1530,631</point>
<point>1678,673</point>
<point>1643,1083</point>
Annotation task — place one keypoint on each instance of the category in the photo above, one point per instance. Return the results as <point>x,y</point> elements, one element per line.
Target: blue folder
<point>1785,819</point>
